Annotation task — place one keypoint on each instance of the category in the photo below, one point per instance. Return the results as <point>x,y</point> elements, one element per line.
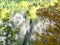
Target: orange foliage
<point>53,13</point>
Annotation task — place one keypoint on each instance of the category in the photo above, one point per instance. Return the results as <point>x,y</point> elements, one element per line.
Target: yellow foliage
<point>4,14</point>
<point>23,5</point>
<point>32,12</point>
<point>56,1</point>
<point>53,1</point>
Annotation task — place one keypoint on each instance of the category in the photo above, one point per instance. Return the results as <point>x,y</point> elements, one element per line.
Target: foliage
<point>32,9</point>
<point>51,34</point>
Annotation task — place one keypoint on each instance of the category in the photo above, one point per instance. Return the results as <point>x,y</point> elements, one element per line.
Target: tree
<point>52,33</point>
